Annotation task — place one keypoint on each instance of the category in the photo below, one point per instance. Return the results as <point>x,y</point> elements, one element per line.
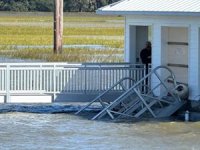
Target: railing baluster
<point>2,80</point>
<point>34,80</point>
<point>25,80</point>
<point>47,80</point>
<point>31,80</point>
<point>40,78</point>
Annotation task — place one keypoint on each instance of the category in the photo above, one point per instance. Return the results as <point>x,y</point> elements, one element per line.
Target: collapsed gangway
<point>162,99</point>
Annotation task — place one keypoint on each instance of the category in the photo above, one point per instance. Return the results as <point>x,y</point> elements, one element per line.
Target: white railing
<point>63,78</point>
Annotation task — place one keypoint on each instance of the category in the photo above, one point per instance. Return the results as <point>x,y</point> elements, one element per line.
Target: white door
<point>177,51</point>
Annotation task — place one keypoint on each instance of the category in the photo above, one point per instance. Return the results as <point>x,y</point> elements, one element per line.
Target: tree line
<point>48,5</point>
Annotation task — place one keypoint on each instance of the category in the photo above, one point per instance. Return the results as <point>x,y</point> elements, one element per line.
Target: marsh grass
<point>69,54</point>
<point>37,30</point>
<point>14,35</point>
<point>79,29</point>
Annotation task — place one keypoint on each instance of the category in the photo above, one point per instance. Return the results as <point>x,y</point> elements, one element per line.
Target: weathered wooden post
<point>58,26</point>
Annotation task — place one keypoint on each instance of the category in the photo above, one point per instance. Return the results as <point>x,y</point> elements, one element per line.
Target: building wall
<point>189,32</point>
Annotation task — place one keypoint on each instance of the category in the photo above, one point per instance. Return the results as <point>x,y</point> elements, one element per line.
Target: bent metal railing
<point>56,78</point>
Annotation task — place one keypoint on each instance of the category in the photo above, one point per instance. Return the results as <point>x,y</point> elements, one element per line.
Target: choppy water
<point>26,131</point>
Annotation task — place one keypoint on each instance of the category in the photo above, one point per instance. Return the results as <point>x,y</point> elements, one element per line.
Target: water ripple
<point>44,108</point>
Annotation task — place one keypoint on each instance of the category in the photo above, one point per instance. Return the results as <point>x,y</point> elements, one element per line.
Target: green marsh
<point>36,29</point>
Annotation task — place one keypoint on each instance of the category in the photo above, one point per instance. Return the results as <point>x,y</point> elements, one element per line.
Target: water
<point>26,131</point>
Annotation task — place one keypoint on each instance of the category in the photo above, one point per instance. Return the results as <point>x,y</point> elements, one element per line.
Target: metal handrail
<point>134,89</point>
<point>104,93</point>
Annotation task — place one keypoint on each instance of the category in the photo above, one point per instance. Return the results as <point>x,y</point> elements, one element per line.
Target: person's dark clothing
<point>145,55</point>
<point>110,1</point>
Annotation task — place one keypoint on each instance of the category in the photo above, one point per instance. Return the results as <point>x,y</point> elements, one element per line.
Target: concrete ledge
<point>31,99</point>
<point>2,99</point>
<point>61,97</point>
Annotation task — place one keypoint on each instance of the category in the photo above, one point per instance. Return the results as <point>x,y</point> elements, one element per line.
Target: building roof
<point>153,7</point>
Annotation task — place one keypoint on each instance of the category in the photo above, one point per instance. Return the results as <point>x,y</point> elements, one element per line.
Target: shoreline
<point>71,108</point>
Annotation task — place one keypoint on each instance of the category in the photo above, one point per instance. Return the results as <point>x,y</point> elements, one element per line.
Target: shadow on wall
<point>87,81</point>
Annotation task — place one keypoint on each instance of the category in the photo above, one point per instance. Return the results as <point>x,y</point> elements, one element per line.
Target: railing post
<point>7,83</point>
<point>54,83</point>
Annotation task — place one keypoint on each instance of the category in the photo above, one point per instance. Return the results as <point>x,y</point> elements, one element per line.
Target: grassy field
<point>36,29</point>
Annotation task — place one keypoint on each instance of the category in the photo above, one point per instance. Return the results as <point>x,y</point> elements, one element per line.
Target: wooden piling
<point>58,26</point>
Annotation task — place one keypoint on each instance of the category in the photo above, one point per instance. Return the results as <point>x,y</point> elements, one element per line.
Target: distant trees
<point>14,5</point>
<point>48,5</point>
<point>76,5</point>
<point>26,5</point>
<point>41,5</point>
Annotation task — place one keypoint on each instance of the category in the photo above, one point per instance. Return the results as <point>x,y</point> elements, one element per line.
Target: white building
<point>173,27</point>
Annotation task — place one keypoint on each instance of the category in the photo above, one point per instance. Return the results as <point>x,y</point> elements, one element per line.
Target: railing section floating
<point>61,78</point>
<point>161,99</point>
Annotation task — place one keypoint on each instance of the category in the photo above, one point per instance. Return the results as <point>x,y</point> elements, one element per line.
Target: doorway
<point>138,36</point>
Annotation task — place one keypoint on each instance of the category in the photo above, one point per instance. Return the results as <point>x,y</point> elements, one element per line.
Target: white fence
<point>61,78</point>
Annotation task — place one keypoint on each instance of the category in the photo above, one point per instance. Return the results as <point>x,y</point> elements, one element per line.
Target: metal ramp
<point>162,99</point>
<point>124,83</point>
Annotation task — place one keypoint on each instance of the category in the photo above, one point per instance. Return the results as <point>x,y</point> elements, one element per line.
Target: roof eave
<point>158,13</point>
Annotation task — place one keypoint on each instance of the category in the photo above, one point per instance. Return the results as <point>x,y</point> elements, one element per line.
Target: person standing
<point>110,1</point>
<point>145,56</point>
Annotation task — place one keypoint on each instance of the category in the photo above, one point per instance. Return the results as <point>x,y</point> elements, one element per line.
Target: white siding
<point>194,63</point>
<point>156,54</point>
<point>188,32</point>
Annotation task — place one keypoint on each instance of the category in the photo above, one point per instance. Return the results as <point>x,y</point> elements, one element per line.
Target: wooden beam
<point>58,26</point>
<point>178,65</point>
<point>177,43</point>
